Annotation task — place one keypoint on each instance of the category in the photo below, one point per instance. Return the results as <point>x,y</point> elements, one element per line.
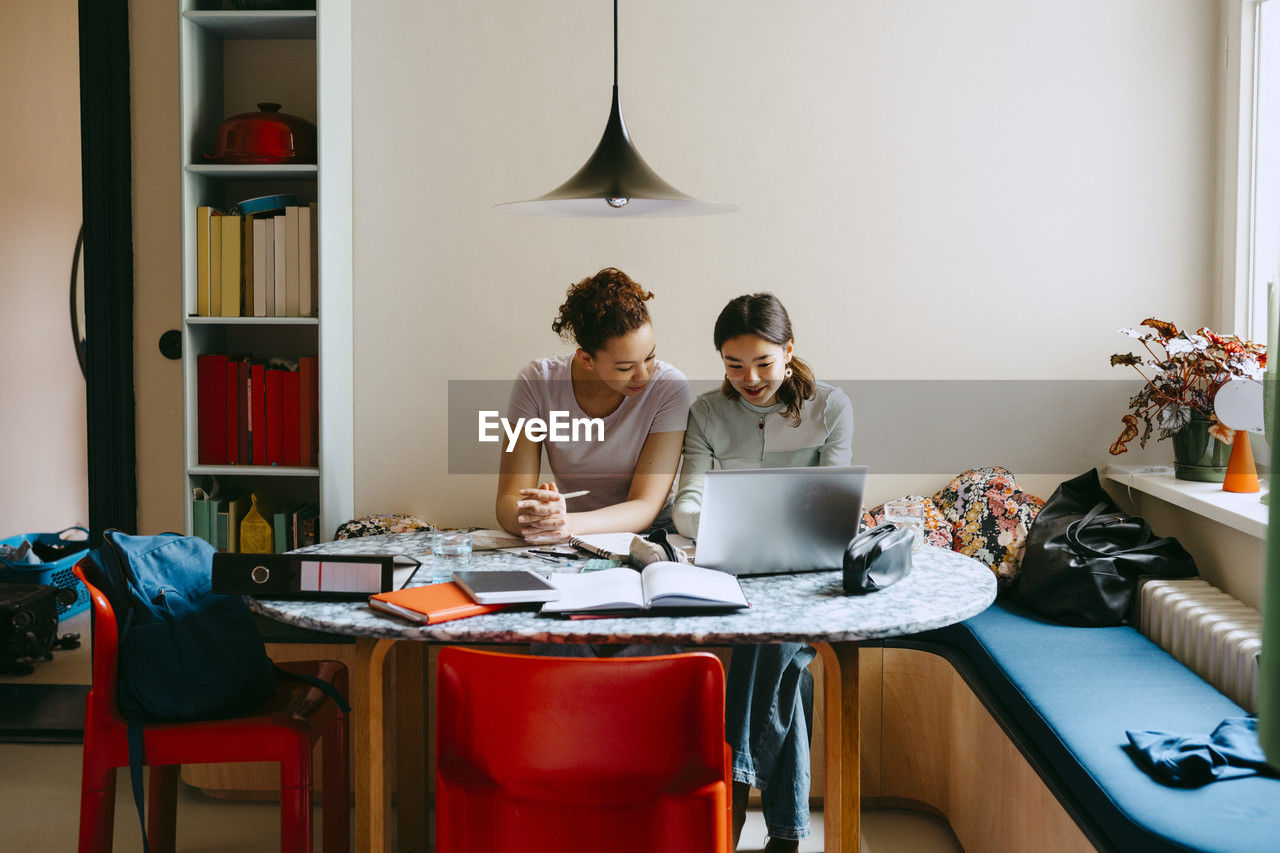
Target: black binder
<point>319,576</point>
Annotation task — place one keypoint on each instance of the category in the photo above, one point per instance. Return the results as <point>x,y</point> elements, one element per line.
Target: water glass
<point>909,513</point>
<point>450,552</point>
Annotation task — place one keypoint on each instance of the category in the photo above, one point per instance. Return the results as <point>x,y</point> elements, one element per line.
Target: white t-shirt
<point>605,466</point>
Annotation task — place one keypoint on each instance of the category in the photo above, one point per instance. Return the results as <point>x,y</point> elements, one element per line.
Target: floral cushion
<point>373,525</point>
<point>989,516</point>
<point>937,529</point>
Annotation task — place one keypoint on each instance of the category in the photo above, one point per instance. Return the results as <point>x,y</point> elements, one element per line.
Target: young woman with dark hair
<point>769,412</point>
<point>615,376</point>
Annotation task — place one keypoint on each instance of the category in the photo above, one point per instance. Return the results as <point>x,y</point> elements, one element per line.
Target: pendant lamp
<point>615,181</point>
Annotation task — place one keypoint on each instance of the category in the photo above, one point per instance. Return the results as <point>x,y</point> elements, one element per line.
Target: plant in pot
<point>1183,372</point>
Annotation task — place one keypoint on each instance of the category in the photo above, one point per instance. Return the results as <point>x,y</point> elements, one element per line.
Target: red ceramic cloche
<point>268,136</point>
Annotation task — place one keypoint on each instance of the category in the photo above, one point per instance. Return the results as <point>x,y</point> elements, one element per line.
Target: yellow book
<point>204,216</point>
<point>231,266</point>
<point>215,264</point>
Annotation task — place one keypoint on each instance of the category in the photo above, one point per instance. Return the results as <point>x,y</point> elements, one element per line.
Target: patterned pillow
<point>373,525</point>
<point>990,517</point>
<point>937,529</point>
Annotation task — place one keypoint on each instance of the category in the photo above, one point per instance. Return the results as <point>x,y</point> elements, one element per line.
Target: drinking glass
<point>450,552</point>
<point>909,513</point>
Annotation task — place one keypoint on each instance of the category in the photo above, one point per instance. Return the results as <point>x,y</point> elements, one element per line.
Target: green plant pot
<point>1198,455</point>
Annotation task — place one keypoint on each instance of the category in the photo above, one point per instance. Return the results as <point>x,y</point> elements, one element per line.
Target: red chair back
<point>600,754</point>
<point>106,641</point>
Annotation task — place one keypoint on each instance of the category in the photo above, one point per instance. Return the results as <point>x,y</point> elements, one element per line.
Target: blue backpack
<point>184,652</point>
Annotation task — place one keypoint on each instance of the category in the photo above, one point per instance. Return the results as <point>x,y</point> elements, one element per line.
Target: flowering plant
<point>1183,371</point>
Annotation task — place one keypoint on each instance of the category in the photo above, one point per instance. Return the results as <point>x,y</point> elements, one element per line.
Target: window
<point>1251,165</point>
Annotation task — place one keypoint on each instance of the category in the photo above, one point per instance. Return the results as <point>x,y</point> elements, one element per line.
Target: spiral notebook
<point>611,546</point>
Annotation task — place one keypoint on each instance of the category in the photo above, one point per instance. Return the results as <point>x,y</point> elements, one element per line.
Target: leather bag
<point>1084,557</point>
<point>877,558</point>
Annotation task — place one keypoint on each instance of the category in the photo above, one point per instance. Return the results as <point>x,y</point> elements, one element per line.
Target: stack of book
<point>256,265</point>
<point>239,522</point>
<point>254,412</point>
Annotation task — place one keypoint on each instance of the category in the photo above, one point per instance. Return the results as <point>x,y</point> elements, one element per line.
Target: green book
<point>200,519</point>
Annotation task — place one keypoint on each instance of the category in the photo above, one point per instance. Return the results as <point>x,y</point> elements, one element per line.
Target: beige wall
<point>976,189</point>
<point>157,260</point>
<point>42,392</point>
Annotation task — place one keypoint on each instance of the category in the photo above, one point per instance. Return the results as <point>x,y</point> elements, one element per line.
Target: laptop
<point>759,521</point>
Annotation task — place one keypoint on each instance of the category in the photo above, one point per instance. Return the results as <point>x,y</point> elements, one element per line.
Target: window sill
<point>1243,512</point>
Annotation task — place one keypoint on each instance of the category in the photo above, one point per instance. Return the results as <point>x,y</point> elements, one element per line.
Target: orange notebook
<point>436,602</point>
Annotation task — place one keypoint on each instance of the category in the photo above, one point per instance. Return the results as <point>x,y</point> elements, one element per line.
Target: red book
<point>315,415</point>
<point>258,412</point>
<point>233,413</point>
<point>243,450</point>
<point>275,417</point>
<point>211,409</point>
<point>436,602</point>
<point>290,419</point>
<point>306,410</point>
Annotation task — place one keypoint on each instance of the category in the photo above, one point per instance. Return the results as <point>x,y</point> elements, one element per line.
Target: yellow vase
<point>255,530</point>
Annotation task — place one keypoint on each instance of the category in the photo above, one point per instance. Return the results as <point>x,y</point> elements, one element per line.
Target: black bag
<point>877,558</point>
<point>28,625</point>
<point>1084,557</point>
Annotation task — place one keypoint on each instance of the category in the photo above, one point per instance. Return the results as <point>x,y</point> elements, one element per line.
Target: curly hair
<point>763,315</point>
<point>604,306</point>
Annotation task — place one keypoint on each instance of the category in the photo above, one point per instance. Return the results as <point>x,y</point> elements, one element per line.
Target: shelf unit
<point>230,60</point>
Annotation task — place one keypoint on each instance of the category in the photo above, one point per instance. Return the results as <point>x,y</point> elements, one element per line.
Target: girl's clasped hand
<point>542,515</point>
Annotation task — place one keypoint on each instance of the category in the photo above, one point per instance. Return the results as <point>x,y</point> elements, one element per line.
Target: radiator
<point>1211,633</point>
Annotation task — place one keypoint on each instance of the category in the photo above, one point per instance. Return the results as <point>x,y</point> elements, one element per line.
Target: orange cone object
<point>1242,474</point>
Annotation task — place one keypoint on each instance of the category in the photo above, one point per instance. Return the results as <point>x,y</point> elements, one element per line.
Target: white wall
<point>977,189</point>
<point>43,463</point>
<point>974,189</point>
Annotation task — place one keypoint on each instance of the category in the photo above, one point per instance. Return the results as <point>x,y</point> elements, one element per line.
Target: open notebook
<point>661,585</point>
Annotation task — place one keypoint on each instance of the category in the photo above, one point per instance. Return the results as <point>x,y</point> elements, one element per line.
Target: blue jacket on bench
<point>1075,691</point>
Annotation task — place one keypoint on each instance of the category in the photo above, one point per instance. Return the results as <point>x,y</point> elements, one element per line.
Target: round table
<point>943,588</point>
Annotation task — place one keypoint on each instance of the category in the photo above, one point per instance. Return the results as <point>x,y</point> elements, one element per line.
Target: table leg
<point>842,799</point>
<point>412,770</point>
<point>370,746</point>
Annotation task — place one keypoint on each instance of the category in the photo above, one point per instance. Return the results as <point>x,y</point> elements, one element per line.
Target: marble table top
<point>943,588</point>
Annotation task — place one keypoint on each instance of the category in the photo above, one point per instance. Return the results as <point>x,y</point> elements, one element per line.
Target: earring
<point>788,373</point>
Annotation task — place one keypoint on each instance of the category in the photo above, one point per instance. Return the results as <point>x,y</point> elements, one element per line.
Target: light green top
<point>724,433</point>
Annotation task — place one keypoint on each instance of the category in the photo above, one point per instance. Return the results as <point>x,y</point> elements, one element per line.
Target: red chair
<point>584,754</point>
<point>284,729</point>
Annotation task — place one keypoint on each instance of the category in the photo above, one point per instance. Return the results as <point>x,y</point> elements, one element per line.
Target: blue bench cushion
<point>1075,691</point>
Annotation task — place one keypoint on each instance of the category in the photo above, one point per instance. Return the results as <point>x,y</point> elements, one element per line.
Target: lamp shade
<point>615,182</point>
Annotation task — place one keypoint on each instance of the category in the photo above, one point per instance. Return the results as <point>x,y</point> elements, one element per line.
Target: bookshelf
<point>229,61</point>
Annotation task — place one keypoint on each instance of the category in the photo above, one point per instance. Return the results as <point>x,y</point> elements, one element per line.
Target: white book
<point>660,586</point>
<point>291,302</point>
<point>305,284</point>
<point>268,246</point>
<point>279,250</point>
<point>261,228</point>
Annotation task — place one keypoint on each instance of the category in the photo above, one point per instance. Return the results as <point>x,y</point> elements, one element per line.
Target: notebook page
<point>675,585</point>
<point>610,589</point>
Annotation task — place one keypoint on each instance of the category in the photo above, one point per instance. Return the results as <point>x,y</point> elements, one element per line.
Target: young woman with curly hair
<point>770,412</point>
<point>613,375</point>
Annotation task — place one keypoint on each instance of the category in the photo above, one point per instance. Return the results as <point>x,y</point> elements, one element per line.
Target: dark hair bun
<point>604,306</point>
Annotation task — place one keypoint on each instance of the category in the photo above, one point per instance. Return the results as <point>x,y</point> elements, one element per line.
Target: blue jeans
<point>768,723</point>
